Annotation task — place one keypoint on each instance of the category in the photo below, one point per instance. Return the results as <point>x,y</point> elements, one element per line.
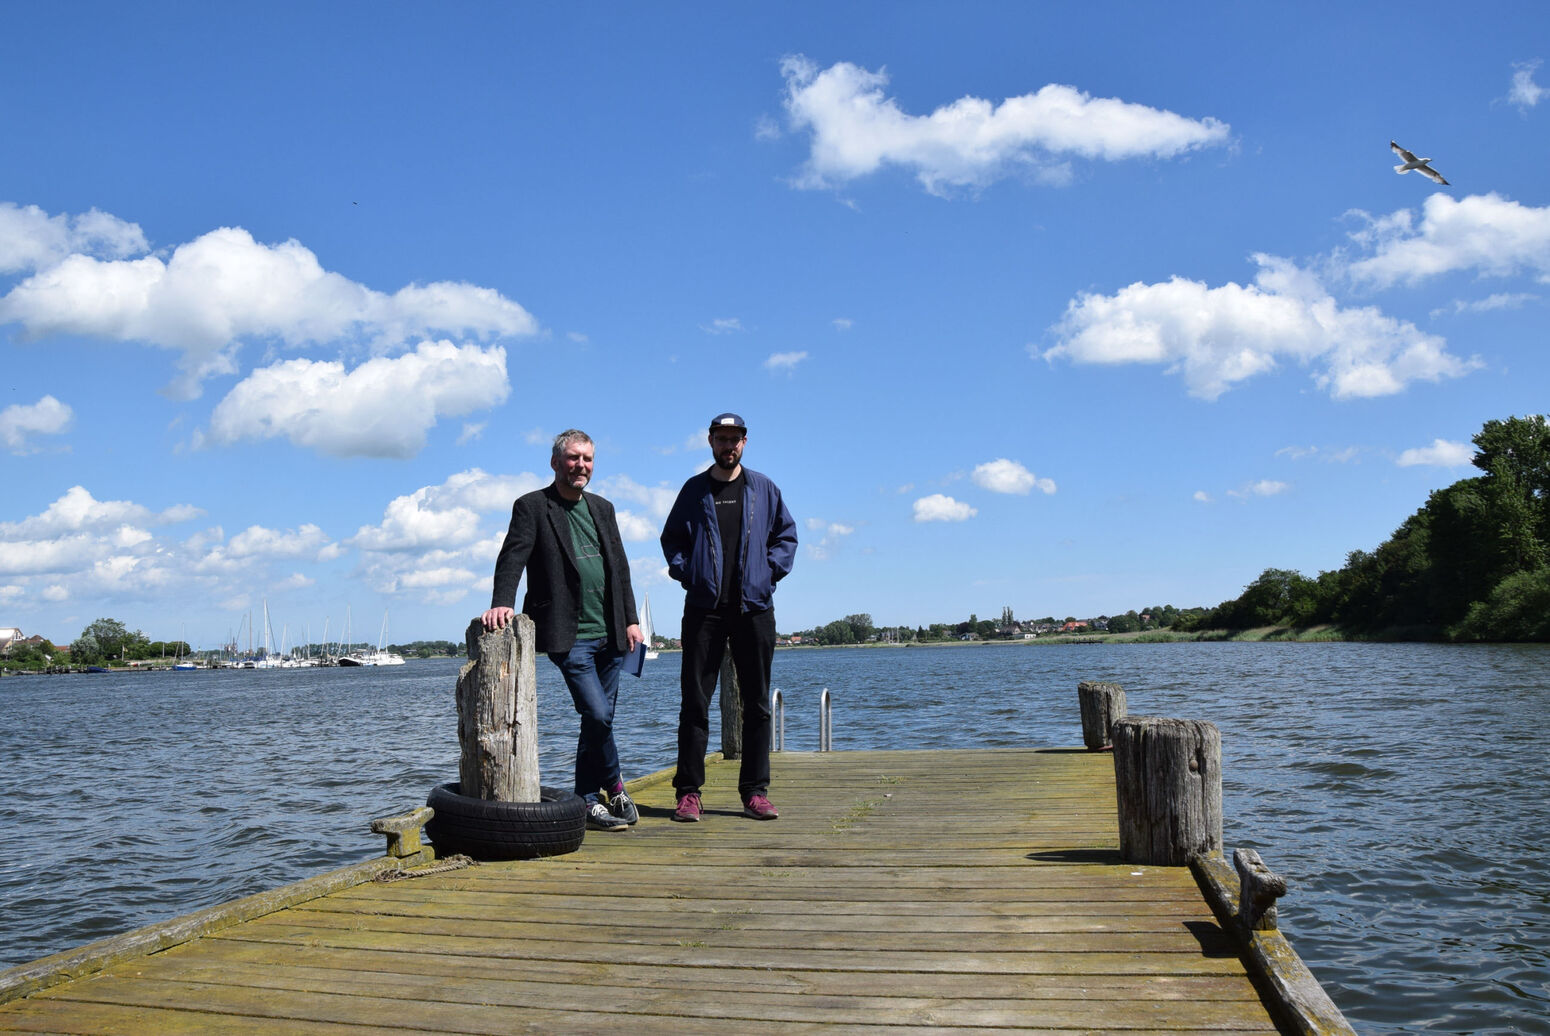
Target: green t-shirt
<point>592,624</point>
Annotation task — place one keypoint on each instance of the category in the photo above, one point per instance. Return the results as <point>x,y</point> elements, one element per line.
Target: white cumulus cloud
<point>31,239</point>
<point>1483,233</point>
<point>255,540</point>
<point>223,288</point>
<point>382,408</point>
<point>434,575</point>
<point>20,421</point>
<point>1441,454</point>
<point>442,523</point>
<point>1218,337</point>
<point>61,554</point>
<point>635,528</point>
<point>1008,476</point>
<point>483,492</point>
<point>100,550</point>
<point>940,508</point>
<point>410,523</point>
<point>856,129</point>
<point>78,511</point>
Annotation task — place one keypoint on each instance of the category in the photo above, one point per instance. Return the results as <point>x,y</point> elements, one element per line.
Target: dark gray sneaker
<point>623,807</point>
<point>600,819</point>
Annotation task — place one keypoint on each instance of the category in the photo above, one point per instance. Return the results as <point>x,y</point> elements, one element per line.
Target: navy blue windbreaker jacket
<point>691,542</point>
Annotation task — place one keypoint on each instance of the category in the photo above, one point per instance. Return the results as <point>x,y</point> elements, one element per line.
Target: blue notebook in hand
<point>635,661</point>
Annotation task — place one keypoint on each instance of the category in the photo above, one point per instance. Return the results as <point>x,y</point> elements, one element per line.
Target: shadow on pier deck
<point>923,889</point>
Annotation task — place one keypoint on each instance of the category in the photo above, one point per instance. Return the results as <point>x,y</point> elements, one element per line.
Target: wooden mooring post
<point>1168,784</point>
<point>1102,705</point>
<point>731,710</point>
<point>497,714</point>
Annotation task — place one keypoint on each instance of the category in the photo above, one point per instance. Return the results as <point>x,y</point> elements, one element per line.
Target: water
<point>1399,788</point>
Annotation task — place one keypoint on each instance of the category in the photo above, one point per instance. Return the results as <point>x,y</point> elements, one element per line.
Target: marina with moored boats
<point>260,655</point>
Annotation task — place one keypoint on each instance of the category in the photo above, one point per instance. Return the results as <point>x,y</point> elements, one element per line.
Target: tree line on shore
<point>859,629</point>
<point>1471,564</point>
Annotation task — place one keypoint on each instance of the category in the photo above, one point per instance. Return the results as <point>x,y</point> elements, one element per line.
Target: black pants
<point>706,636</point>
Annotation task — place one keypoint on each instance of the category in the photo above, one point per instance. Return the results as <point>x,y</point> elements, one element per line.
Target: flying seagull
<point>1418,164</point>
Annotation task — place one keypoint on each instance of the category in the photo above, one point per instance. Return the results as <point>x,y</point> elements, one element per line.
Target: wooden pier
<point>925,890</point>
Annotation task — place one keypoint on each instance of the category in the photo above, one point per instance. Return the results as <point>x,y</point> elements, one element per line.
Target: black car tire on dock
<point>494,830</point>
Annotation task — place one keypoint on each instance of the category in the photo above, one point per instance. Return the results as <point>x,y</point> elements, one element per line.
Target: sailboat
<point>381,656</point>
<point>645,627</point>
<point>384,656</point>
<point>347,653</point>
<point>180,663</point>
<point>270,658</point>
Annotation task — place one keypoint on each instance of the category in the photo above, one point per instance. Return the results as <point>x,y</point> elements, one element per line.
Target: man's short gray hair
<point>565,440</point>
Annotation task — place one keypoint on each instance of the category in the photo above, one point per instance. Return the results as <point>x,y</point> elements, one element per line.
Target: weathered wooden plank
<point>661,897</point>
<point>723,931</point>
<point>700,953</point>
<point>287,990</point>
<point>946,886</point>
<point>237,957</point>
<point>792,876</point>
<point>784,915</point>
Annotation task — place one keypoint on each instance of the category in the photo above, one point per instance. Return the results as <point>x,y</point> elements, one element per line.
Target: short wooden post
<point>731,710</point>
<point>1258,889</point>
<point>1102,704</point>
<point>1168,783</point>
<point>497,714</point>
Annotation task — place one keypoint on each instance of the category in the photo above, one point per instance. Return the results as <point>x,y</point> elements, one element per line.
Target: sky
<point>1068,308</point>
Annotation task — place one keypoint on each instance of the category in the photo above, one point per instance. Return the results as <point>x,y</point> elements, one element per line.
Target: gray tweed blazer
<point>539,542</point>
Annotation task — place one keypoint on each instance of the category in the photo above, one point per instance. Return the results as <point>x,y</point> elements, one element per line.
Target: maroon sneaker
<point>688,810</point>
<point>760,808</point>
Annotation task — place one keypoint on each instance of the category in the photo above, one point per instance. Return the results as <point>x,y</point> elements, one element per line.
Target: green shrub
<point>1517,609</point>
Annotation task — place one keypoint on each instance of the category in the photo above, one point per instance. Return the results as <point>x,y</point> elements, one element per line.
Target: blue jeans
<point>591,670</point>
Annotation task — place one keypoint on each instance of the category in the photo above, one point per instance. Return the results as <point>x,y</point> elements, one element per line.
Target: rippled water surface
<point>1400,788</point>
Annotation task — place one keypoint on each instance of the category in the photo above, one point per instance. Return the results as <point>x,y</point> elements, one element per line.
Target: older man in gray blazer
<point>582,607</point>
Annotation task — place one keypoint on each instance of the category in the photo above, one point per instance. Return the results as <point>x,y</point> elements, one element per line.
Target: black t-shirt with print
<point>729,516</point>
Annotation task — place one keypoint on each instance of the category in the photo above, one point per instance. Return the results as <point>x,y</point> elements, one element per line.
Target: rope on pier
<point>451,863</point>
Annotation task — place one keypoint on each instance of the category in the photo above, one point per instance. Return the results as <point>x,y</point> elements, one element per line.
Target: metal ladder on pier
<point>778,721</point>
